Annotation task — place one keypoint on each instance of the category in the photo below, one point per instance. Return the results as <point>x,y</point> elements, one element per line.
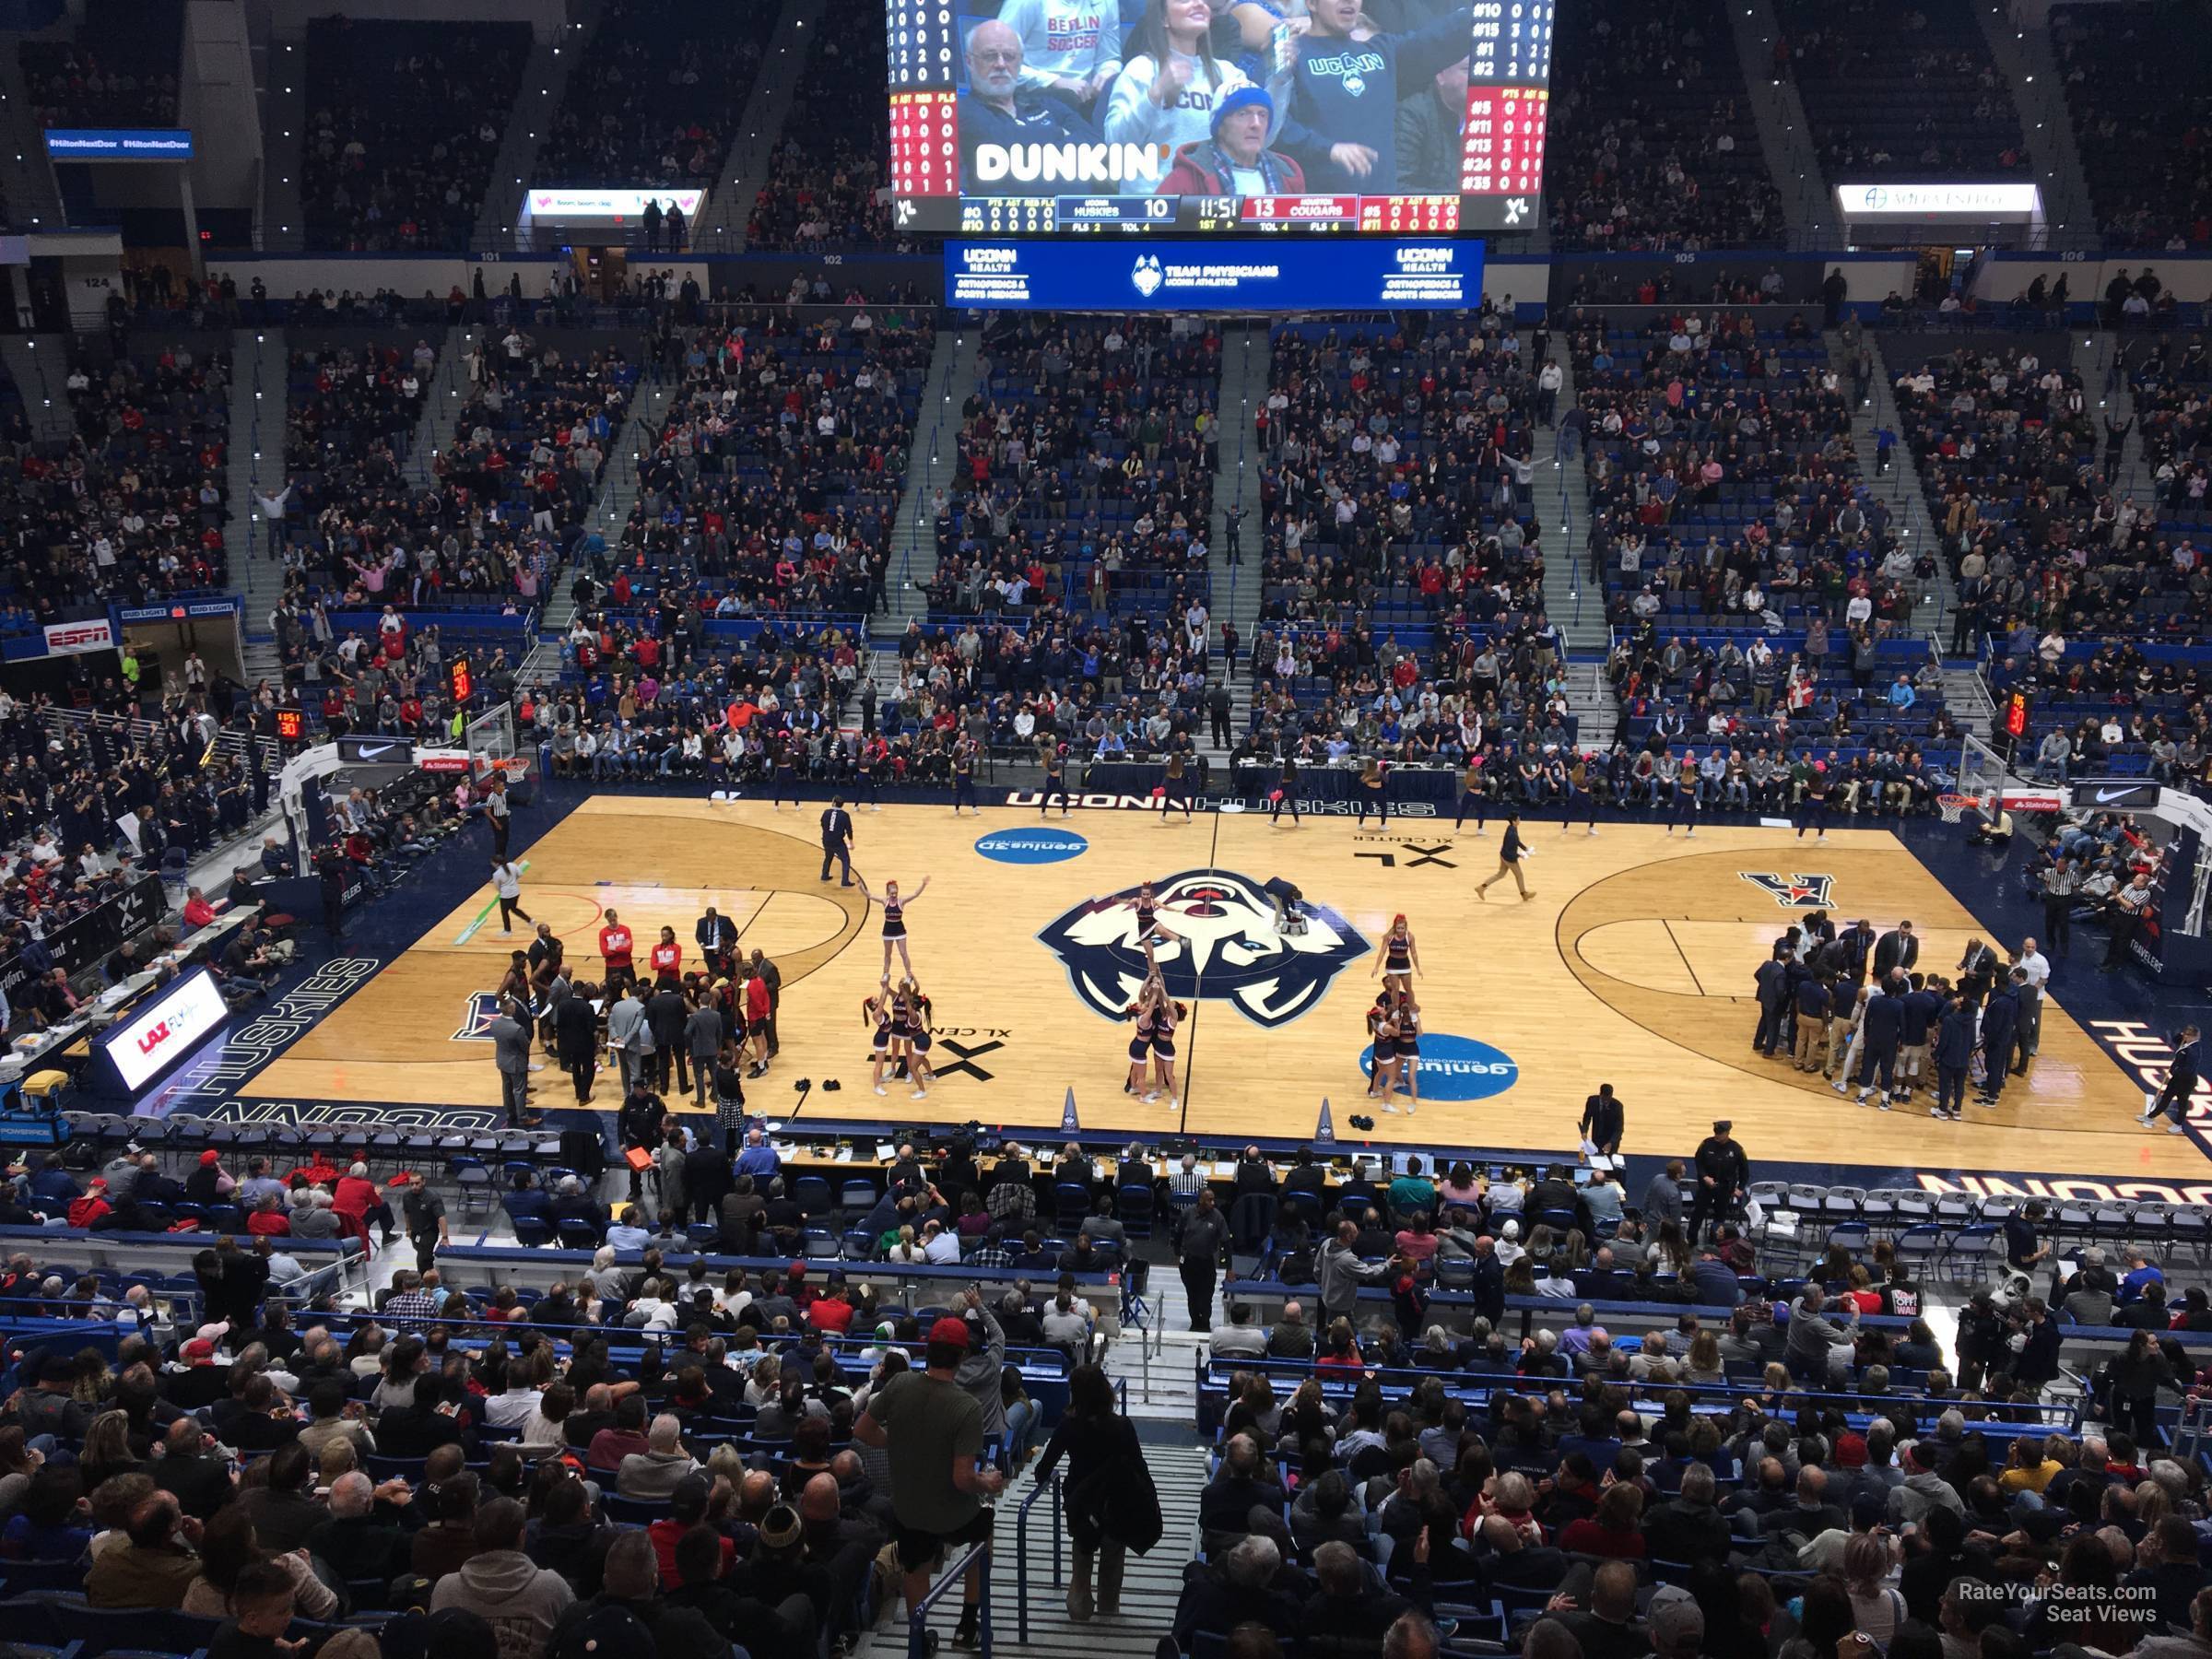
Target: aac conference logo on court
<point>1035,845</point>
<point>1457,1068</point>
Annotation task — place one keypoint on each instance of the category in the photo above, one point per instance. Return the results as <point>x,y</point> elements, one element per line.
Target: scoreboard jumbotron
<point>1014,118</point>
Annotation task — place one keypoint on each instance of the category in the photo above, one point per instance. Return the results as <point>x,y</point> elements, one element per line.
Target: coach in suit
<point>717,936</point>
<point>1895,950</point>
<point>1772,981</point>
<point>837,841</point>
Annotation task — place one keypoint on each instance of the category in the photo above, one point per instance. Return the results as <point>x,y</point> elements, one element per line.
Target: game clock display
<point>1013,118</point>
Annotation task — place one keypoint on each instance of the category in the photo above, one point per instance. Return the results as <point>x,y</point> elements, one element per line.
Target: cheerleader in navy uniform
<point>1682,804</point>
<point>1470,796</point>
<point>787,777</point>
<point>1582,799</point>
<point>1165,1014</point>
<point>1399,958</point>
<point>1149,925</point>
<point>1812,811</point>
<point>1140,1040</point>
<point>876,1014</point>
<point>1175,789</point>
<point>1055,777</point>
<point>963,778</point>
<point>866,767</point>
<point>1370,792</point>
<point>1407,1018</point>
<point>894,921</point>
<point>1383,1035</point>
<point>1285,793</point>
<point>910,1035</point>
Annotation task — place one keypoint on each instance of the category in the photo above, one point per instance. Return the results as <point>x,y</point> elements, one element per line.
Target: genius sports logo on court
<point>1792,892</point>
<point>482,1008</point>
<point>1456,1068</point>
<point>1035,845</point>
<point>1217,940</point>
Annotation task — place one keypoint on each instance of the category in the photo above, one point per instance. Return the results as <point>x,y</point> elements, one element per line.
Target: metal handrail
<point>917,1622</point>
<point>1021,1552</point>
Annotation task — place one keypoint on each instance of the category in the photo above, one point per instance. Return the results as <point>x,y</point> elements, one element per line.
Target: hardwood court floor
<point>1631,965</point>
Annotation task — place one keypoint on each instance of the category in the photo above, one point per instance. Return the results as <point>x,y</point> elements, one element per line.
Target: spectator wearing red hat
<point>932,1430</point>
<point>209,1182</point>
<point>85,1211</point>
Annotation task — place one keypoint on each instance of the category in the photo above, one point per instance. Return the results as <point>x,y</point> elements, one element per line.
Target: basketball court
<point>1631,963</point>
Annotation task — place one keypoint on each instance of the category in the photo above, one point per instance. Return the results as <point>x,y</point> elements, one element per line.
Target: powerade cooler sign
<point>1198,276</point>
<point>1456,1068</point>
<point>1032,847</point>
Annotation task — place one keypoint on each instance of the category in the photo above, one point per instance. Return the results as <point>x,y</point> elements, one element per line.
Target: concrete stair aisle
<point>1150,1586</point>
<point>1784,133</point>
<point>442,404</point>
<point>1575,595</point>
<point>39,364</point>
<point>2038,94</point>
<point>1247,360</point>
<point>545,83</point>
<point>1967,696</point>
<point>283,141</point>
<point>1899,489</point>
<point>35,199</point>
<point>260,402</point>
<point>2095,357</point>
<point>953,365</point>
<point>729,210</point>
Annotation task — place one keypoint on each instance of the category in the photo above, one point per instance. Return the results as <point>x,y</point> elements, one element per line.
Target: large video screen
<point>1217,117</point>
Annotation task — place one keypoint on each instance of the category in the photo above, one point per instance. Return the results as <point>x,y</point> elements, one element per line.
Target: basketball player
<point>1174,790</point>
<point>1510,852</point>
<point>894,913</point>
<point>668,959</point>
<point>1399,959</point>
<point>1055,777</point>
<point>1285,793</point>
<point>615,946</point>
<point>1371,794</point>
<point>964,785</point>
<point>514,985</point>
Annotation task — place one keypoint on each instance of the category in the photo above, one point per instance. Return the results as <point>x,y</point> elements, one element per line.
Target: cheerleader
<point>1165,1013</point>
<point>1399,958</point>
<point>1407,1018</point>
<point>912,1008</point>
<point>866,765</point>
<point>876,1014</point>
<point>1582,799</point>
<point>1286,794</point>
<point>1140,1041</point>
<point>963,781</point>
<point>1470,796</point>
<point>1370,792</point>
<point>1055,777</point>
<point>1383,1034</point>
<point>894,921</point>
<point>1175,789</point>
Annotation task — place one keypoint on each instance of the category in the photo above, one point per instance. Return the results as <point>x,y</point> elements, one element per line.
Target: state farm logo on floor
<point>1218,941</point>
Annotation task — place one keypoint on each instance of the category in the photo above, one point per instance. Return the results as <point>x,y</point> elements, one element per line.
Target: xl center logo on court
<point>1217,942</point>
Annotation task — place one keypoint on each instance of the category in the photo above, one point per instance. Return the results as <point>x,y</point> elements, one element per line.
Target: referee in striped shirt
<point>2061,882</point>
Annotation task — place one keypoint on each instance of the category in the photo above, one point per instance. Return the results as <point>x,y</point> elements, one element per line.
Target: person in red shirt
<point>615,945</point>
<point>832,1313</point>
<point>198,912</point>
<point>755,1020</point>
<point>268,1219</point>
<point>668,959</point>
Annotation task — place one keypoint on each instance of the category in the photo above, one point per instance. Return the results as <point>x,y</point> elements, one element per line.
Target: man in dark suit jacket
<point>1897,948</point>
<point>1772,981</point>
<point>2181,1083</point>
<point>717,936</point>
<point>837,841</point>
<point>199,1480</point>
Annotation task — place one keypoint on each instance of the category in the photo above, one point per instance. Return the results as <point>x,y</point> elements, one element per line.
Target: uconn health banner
<point>1269,274</point>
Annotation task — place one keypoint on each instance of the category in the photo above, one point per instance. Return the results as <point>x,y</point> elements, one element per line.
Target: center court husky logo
<point>1147,277</point>
<point>1793,892</point>
<point>476,1024</point>
<point>1226,948</point>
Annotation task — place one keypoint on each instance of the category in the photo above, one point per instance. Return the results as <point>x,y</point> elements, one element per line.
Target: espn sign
<point>69,639</point>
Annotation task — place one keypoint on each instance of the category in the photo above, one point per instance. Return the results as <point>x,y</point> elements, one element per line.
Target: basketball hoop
<point>1953,807</point>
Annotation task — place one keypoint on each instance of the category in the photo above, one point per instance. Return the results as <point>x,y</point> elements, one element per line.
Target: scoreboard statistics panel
<point>1053,117</point>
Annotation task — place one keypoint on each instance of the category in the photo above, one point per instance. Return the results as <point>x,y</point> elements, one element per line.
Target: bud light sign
<point>1456,1068</point>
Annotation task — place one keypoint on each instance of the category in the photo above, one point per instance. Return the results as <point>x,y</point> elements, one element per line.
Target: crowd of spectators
<point>1900,95</point>
<point>404,120</point>
<point>352,414</point>
<point>1652,141</point>
<point>821,180</point>
<point>657,97</point>
<point>132,508</point>
<point>2149,180</point>
<point>117,69</point>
